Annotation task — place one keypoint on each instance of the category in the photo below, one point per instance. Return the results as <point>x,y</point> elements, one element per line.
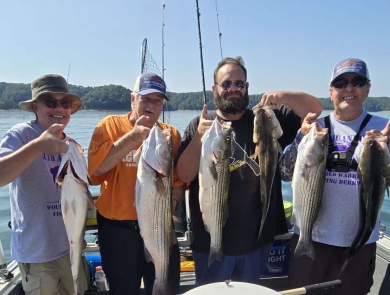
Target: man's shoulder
<point>114,119</point>
<point>24,127</point>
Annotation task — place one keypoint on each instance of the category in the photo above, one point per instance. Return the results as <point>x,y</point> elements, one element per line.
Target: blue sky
<point>286,44</point>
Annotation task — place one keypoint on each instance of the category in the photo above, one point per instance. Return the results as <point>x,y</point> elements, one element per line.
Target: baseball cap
<point>150,83</point>
<point>350,66</point>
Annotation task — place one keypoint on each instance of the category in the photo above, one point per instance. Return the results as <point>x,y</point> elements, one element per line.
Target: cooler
<point>93,260</point>
<point>279,257</point>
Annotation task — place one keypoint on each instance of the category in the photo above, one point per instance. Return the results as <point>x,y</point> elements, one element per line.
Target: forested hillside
<point>116,97</point>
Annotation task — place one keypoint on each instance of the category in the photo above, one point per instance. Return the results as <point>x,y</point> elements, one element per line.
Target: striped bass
<point>308,185</point>
<point>373,173</point>
<point>74,181</point>
<point>153,201</point>
<point>214,180</point>
<point>266,132</point>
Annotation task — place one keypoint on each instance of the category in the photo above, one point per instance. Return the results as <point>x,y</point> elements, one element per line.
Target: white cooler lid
<point>236,288</point>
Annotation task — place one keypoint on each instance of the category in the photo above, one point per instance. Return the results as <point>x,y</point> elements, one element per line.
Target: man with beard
<point>244,254</point>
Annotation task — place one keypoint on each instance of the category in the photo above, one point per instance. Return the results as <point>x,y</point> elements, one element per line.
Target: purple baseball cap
<point>350,66</point>
<point>150,83</point>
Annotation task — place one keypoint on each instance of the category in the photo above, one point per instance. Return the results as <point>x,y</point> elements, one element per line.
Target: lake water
<point>81,127</point>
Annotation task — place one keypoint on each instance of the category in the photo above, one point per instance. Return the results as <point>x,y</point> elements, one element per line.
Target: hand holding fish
<point>385,131</point>
<point>273,99</point>
<point>307,123</point>
<point>50,140</point>
<point>204,124</point>
<point>141,130</point>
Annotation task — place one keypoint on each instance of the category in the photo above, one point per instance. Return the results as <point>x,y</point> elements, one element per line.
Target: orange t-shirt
<point>116,199</point>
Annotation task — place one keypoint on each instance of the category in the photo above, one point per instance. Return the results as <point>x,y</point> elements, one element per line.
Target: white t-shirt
<point>339,217</point>
<point>38,230</point>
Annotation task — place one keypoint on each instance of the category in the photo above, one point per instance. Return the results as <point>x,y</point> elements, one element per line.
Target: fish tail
<point>161,289</point>
<point>344,265</point>
<point>261,227</point>
<point>215,254</point>
<point>304,248</point>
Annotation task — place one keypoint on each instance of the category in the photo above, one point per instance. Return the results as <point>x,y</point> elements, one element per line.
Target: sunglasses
<point>225,85</point>
<point>52,103</point>
<point>342,83</point>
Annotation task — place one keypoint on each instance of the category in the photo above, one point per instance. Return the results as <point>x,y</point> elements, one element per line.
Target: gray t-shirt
<point>38,230</point>
<point>339,217</point>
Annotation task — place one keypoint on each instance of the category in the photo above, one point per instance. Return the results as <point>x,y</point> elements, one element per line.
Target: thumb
<point>386,130</point>
<point>310,116</point>
<point>204,111</point>
<point>56,129</point>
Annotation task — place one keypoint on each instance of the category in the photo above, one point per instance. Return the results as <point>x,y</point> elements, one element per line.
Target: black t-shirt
<point>240,234</point>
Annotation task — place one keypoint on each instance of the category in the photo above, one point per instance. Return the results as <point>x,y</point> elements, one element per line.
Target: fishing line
<point>219,32</point>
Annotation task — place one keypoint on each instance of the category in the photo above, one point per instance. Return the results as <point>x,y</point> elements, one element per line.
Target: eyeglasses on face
<point>355,82</point>
<point>52,103</point>
<point>227,84</point>
<point>154,101</point>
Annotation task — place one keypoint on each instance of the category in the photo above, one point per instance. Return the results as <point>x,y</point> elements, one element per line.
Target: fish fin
<point>213,171</point>
<point>253,165</point>
<point>304,248</point>
<point>215,254</point>
<point>148,257</point>
<point>279,147</point>
<point>160,188</point>
<point>62,172</point>
<point>90,198</point>
<point>137,154</point>
<point>344,265</point>
<point>385,171</point>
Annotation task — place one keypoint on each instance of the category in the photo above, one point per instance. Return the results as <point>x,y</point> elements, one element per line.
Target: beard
<point>232,105</point>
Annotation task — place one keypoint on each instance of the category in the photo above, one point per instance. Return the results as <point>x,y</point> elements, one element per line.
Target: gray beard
<point>231,105</point>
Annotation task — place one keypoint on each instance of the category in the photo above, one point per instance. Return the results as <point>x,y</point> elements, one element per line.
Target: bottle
<point>100,279</point>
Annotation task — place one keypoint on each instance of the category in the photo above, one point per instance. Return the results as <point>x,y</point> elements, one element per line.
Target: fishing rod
<point>201,53</point>
<point>162,52</point>
<point>67,78</point>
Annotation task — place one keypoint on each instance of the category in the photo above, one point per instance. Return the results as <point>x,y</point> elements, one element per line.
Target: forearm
<point>288,159</point>
<point>118,151</point>
<point>302,103</point>
<point>12,165</point>
<point>177,196</point>
<point>188,165</point>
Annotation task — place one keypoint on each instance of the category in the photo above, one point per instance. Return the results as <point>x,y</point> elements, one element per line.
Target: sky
<point>286,44</point>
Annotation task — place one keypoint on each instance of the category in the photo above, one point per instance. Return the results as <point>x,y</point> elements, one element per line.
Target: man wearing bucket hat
<point>30,155</point>
<point>339,217</point>
<point>111,164</point>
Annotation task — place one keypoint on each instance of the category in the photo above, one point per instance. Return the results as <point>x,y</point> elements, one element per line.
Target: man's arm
<point>188,164</point>
<point>177,196</point>
<point>123,145</point>
<point>14,164</point>
<point>300,102</point>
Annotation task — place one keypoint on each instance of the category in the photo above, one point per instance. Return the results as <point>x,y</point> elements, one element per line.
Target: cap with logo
<point>350,66</point>
<point>149,83</point>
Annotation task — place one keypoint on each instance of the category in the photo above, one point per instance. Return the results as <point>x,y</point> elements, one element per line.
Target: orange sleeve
<point>176,139</point>
<point>98,150</point>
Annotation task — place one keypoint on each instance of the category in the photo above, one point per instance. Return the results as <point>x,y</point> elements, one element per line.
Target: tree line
<point>116,97</point>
